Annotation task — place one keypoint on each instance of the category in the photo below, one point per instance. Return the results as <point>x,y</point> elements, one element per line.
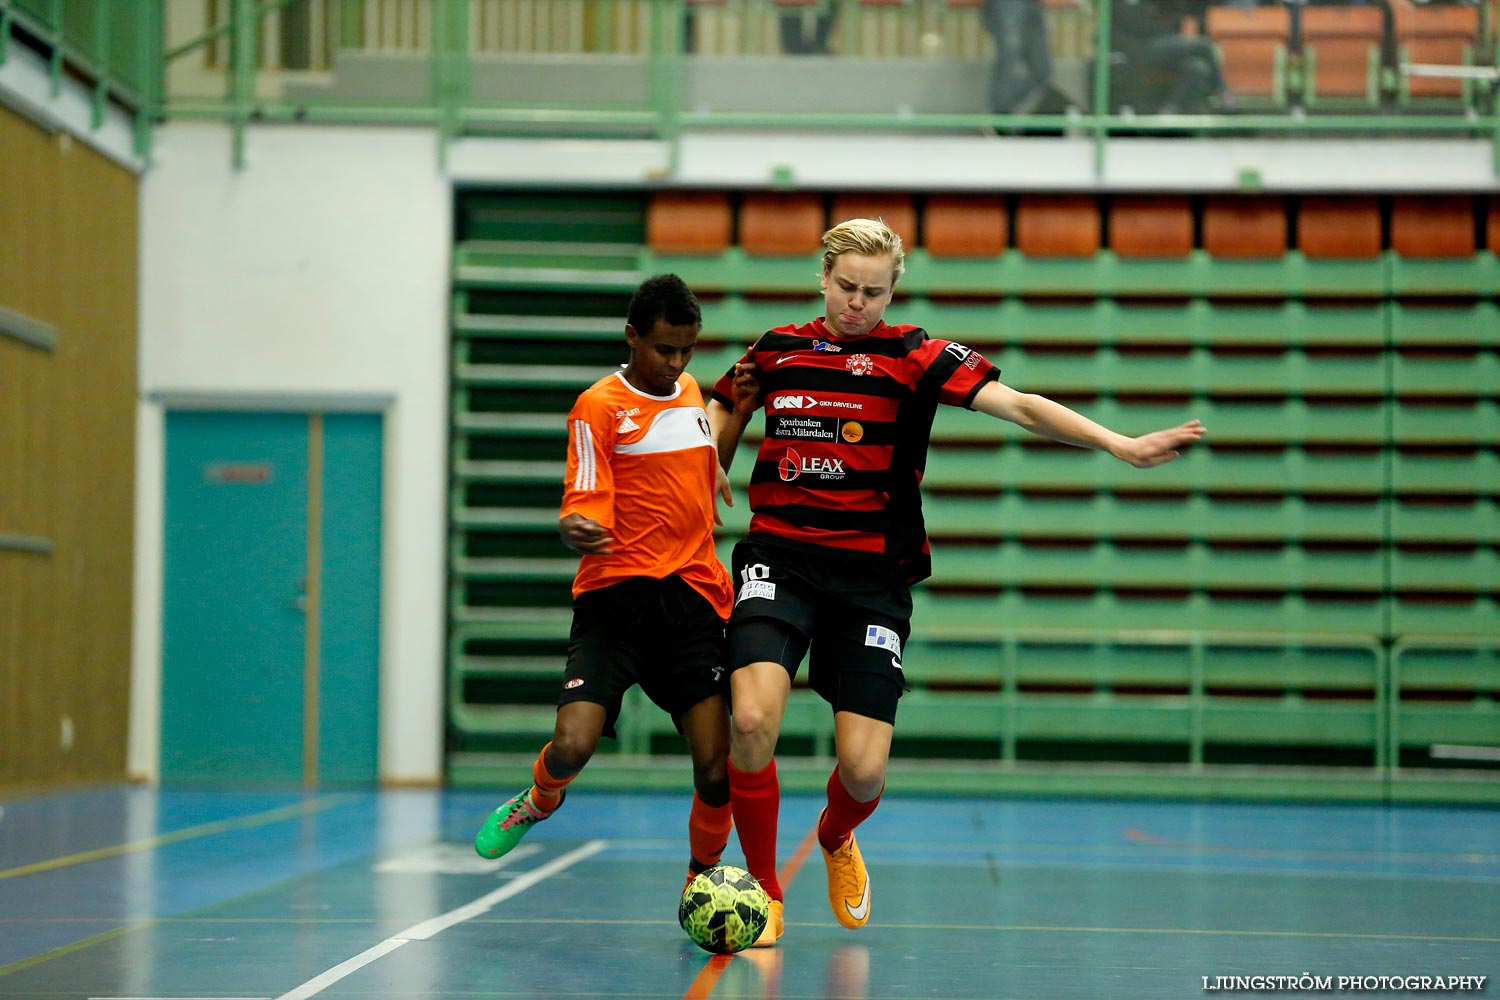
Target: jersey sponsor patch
<point>757,588</point>
<point>678,428</point>
<point>576,682</point>
<point>791,401</point>
<point>793,465</point>
<point>806,428</point>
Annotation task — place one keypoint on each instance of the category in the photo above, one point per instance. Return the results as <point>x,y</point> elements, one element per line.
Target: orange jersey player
<point>650,598</point>
<point>638,467</point>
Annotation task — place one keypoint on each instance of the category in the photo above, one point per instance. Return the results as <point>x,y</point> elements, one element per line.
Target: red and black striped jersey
<point>848,421</point>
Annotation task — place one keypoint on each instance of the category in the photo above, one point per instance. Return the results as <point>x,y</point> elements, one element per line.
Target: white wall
<point>317,276</point>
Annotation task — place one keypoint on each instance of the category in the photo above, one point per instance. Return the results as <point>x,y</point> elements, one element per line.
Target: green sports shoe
<point>508,824</point>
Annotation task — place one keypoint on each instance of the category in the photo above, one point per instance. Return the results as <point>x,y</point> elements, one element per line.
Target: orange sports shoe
<point>848,883</point>
<point>775,926</point>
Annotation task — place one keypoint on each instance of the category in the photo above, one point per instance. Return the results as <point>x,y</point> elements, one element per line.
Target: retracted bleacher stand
<point>1302,605</point>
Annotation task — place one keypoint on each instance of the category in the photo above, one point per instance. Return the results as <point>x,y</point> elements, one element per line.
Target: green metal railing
<point>113,45</point>
<point>455,105</point>
<point>119,46</point>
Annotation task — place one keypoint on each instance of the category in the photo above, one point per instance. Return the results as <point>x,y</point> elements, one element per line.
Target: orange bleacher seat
<point>895,210</point>
<point>688,222</point>
<point>774,224</point>
<point>1432,226</point>
<point>1244,226</point>
<point>966,226</point>
<point>1057,225</point>
<point>1341,52</point>
<point>1252,44</point>
<point>1435,36</point>
<point>1151,226</point>
<point>1339,227</point>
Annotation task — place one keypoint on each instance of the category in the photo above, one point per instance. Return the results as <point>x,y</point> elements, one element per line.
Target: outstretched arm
<point>1051,419</point>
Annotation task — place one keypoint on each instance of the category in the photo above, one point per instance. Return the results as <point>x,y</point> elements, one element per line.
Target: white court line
<point>429,928</point>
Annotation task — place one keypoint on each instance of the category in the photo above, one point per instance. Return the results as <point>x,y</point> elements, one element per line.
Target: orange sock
<point>708,833</point>
<point>843,813</point>
<point>546,792</point>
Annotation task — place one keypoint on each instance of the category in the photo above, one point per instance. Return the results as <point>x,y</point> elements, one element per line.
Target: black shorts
<point>852,613</point>
<point>660,634</point>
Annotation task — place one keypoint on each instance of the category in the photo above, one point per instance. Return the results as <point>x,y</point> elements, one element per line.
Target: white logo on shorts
<point>757,588</point>
<point>883,638</point>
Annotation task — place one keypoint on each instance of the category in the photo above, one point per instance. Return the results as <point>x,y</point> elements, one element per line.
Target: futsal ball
<point>724,909</point>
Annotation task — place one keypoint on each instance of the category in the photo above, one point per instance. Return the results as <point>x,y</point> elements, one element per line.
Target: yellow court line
<point>205,830</point>
<point>68,949</point>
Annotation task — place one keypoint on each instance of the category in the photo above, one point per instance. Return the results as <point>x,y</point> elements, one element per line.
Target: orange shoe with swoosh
<point>775,926</point>
<point>848,883</point>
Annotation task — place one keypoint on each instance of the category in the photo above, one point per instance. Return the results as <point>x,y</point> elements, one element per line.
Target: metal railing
<point>659,67</point>
<point>113,47</point>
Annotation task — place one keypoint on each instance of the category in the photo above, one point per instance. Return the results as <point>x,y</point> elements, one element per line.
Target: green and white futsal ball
<point>724,909</point>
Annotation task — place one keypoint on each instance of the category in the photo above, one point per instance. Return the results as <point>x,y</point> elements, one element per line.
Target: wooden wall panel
<point>67,457</point>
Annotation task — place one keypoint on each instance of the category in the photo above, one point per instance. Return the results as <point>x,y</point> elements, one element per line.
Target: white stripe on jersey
<point>676,429</point>
<point>583,443</point>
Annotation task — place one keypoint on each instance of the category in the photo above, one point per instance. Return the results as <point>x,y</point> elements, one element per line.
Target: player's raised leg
<point>575,737</point>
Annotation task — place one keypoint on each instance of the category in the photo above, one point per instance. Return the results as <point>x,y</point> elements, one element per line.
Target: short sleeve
<point>956,372</point>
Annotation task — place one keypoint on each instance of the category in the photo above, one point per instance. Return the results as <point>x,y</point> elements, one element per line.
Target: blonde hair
<point>868,238</point>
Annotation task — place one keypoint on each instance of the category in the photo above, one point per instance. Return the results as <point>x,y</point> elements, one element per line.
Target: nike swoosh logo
<point>859,912</point>
<point>784,357</point>
<point>896,663</point>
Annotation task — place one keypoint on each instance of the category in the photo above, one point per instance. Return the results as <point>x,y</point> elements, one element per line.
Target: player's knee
<point>755,723</point>
<point>711,782</point>
<point>863,779</point>
<point>572,748</point>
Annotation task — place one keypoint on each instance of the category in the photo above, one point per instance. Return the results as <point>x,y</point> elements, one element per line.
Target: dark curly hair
<point>664,296</point>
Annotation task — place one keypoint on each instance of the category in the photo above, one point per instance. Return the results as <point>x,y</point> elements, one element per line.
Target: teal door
<point>270,618</point>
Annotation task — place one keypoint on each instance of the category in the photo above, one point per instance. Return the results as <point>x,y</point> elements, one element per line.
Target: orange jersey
<point>643,467</point>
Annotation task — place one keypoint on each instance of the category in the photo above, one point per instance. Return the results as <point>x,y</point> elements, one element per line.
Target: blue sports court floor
<point>137,893</point>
